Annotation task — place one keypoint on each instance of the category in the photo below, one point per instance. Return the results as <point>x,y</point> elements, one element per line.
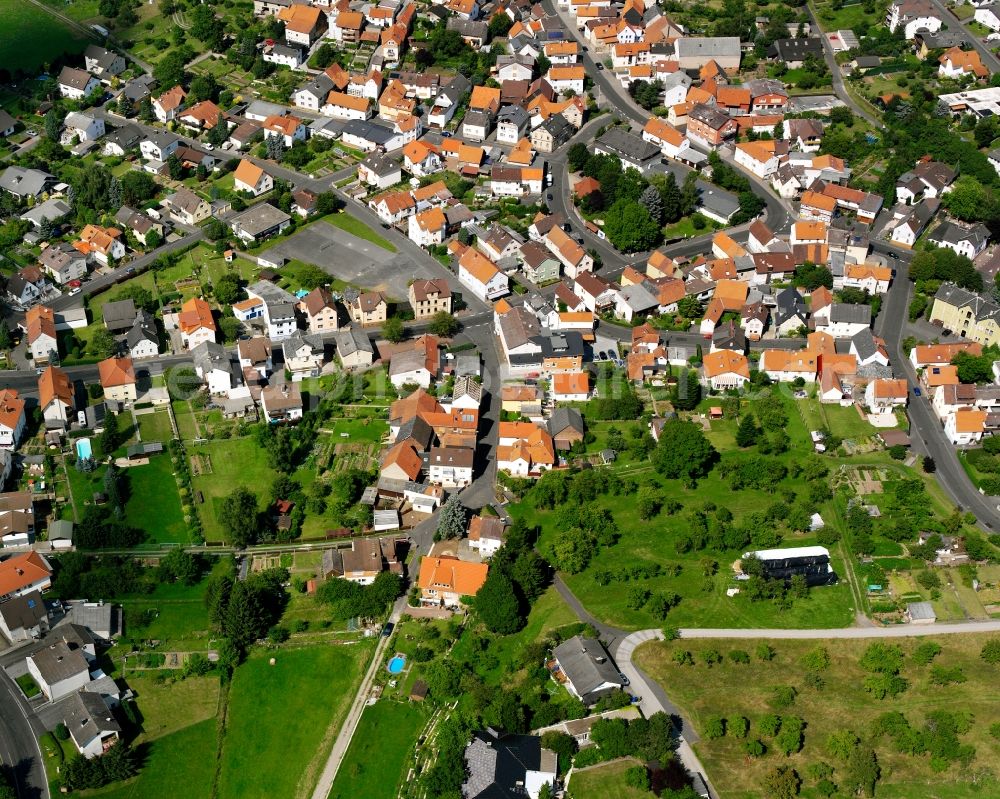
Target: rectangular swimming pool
<point>84,449</point>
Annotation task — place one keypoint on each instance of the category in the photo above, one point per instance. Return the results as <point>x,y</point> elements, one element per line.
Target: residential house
<point>486,535</point>
<point>966,314</point>
<point>428,228</point>
<point>303,24</point>
<point>481,276</point>
<point>883,395</point>
<point>40,333</point>
<point>429,297</point>
<point>726,369</point>
<point>81,127</point>
<point>215,367</point>
<point>365,560</point>
<point>928,178</point>
<point>59,669</point>
<point>380,171</point>
<point>23,183</point>
<point>304,355</point>
<point>845,320</point>
<point>12,418</point>
<point>255,356</point>
<point>23,618</point>
<point>968,240</point>
<point>872,278</point>
<point>281,403</point>
<point>965,427</point>
<point>75,84</point>
<point>187,208</point>
<point>708,126</point>
<point>368,308</point>
<point>320,311</point>
<point>252,179</point>
<point>63,262</point>
<point>525,449</point>
<point>540,266</point>
<point>142,339</point>
<point>104,243</point>
<point>287,128</point>
<point>169,105</point>
<point>196,323</point>
<point>159,145</point>
<point>445,581</point>
<point>586,668</point>
<point>417,365</point>
<point>102,63</point>
<point>503,765</point>
<point>118,380</point>
<point>91,724</point>
<point>22,575</point>
<point>17,520</point>
<point>631,149</point>
<point>450,467</point>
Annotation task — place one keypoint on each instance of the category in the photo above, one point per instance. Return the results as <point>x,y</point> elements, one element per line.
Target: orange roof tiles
<point>248,172</point>
<point>21,571</point>
<point>195,314</point>
<point>55,384</point>
<point>11,408</point>
<point>461,577</point>
<point>726,362</point>
<point>478,265</point>
<point>116,372</point>
<point>571,383</point>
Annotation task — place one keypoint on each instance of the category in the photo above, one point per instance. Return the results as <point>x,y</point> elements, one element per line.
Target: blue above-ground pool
<point>84,449</point>
<point>397,664</point>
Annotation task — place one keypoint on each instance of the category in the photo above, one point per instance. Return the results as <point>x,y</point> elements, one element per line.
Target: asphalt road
<point>924,425</point>
<point>991,62</point>
<point>19,749</point>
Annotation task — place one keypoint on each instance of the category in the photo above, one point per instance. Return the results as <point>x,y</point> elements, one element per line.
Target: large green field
<point>699,577</point>
<point>230,463</point>
<point>379,750</point>
<point>730,689</point>
<point>32,38</point>
<point>154,505</point>
<point>283,718</point>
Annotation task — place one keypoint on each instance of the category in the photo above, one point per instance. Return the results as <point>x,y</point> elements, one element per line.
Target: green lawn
<point>605,780</point>
<point>358,228</point>
<point>377,760</point>
<point>187,757</point>
<point>358,430</point>
<point>842,422</point>
<point>154,504</point>
<point>846,18</point>
<point>282,719</point>
<point>155,427</point>
<point>184,417</point>
<point>31,37</point>
<point>233,462</point>
<point>730,689</point>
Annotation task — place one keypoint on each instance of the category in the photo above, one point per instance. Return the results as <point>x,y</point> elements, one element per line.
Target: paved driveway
<point>354,260</point>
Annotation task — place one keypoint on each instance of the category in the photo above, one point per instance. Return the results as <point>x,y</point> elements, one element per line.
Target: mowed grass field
<point>154,504</point>
<point>605,781</point>
<point>376,761</point>
<point>178,740</point>
<point>282,719</point>
<point>730,689</point>
<point>30,37</point>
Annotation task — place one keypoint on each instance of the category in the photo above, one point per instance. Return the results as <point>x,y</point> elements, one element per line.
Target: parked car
<point>916,391</point>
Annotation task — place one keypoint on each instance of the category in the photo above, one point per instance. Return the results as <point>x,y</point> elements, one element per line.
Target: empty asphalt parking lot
<point>353,260</point>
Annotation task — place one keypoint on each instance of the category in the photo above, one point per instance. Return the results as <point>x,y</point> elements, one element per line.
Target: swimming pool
<point>397,664</point>
<point>83,449</point>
